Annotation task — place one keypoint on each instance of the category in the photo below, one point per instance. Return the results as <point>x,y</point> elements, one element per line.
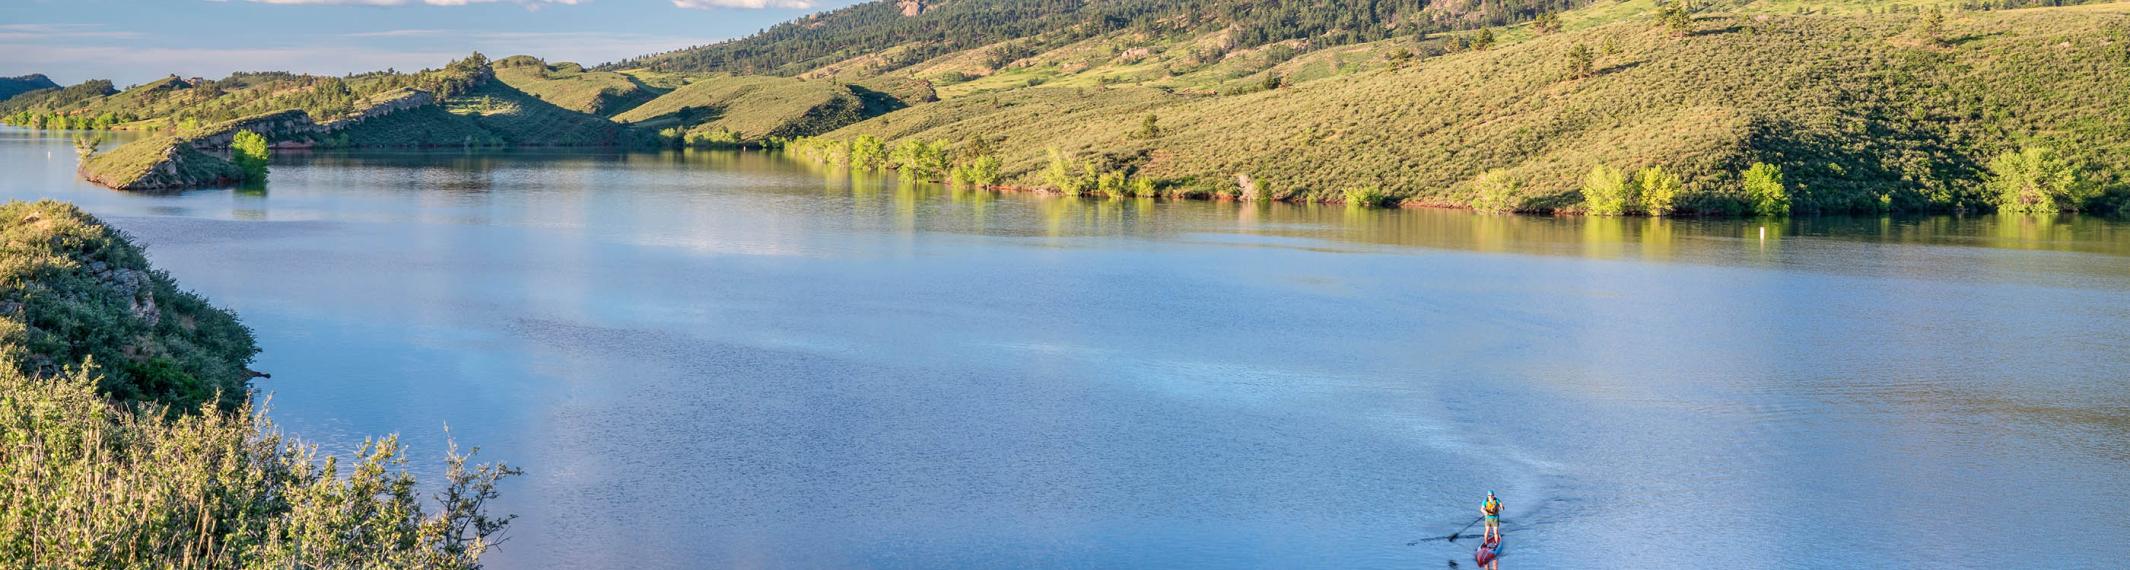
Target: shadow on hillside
<point>1617,67</point>
<point>1971,38</point>
<point>1716,31</point>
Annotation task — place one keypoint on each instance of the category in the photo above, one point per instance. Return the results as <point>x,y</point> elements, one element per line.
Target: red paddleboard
<point>1487,552</point>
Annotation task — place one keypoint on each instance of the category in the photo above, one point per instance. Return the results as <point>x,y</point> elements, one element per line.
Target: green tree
<point>249,151</point>
<point>1484,40</point>
<point>2036,180</point>
<point>868,152</point>
<point>1546,23</point>
<point>1149,127</point>
<point>1930,27</point>
<point>1605,192</point>
<point>1368,197</point>
<point>1058,175</point>
<point>1677,17</point>
<point>85,144</point>
<point>1659,189</point>
<point>1582,61</point>
<point>980,172</point>
<point>1764,190</point>
<point>1494,192</point>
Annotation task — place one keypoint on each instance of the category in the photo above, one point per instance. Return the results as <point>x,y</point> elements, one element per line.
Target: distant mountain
<point>12,86</point>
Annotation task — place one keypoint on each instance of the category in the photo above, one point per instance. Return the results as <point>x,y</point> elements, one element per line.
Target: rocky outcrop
<point>296,124</point>
<point>159,163</point>
<point>911,7</point>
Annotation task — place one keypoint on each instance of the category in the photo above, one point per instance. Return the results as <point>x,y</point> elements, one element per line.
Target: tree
<point>249,151</point>
<point>1764,190</point>
<point>1677,17</point>
<point>979,172</point>
<point>1582,62</point>
<point>1605,191</point>
<point>1546,23</point>
<point>1930,28</point>
<point>1273,81</point>
<point>85,144</point>
<point>1149,127</point>
<point>2035,180</point>
<point>1494,192</point>
<point>1484,40</point>
<point>1659,189</point>
<point>868,152</point>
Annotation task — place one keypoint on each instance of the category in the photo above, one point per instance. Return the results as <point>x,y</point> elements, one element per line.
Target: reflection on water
<point>716,359</point>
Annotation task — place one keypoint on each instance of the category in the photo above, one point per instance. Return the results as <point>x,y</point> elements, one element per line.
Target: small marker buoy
<point>1763,233</point>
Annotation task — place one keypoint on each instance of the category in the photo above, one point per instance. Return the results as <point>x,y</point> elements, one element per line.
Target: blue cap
<point>1490,491</point>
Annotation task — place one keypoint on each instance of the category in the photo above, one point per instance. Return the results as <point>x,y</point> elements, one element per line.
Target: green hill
<point>12,86</point>
<point>569,86</point>
<point>913,31</point>
<point>752,108</point>
<point>1864,111</point>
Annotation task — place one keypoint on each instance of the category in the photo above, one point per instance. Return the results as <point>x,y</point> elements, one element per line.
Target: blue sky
<point>131,41</point>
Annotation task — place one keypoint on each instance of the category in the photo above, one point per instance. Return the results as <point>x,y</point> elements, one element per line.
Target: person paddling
<point>1491,511</point>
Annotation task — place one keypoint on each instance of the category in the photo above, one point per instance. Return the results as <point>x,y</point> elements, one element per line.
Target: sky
<point>134,41</point>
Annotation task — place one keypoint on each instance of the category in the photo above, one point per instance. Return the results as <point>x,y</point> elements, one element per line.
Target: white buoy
<point>1763,233</point>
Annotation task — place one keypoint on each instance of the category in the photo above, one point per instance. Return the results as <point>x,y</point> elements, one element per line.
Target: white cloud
<point>749,4</point>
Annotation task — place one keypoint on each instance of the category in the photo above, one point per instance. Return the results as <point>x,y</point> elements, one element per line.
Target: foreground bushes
<point>86,483</point>
<point>159,461</point>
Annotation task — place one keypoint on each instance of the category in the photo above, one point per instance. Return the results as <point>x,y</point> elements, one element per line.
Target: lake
<point>727,359</point>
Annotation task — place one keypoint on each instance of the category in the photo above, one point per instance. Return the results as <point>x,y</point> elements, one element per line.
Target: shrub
<point>1676,17</point>
<point>1059,176</point>
<point>1495,192</point>
<point>979,172</point>
<point>249,151</point>
<point>920,160</point>
<point>1367,197</point>
<point>1582,61</point>
<point>85,144</point>
<point>2036,180</point>
<point>1149,128</point>
<point>1764,190</point>
<point>92,483</point>
<point>1144,187</point>
<point>1605,192</point>
<point>1546,23</point>
<point>1114,184</point>
<point>1659,189</point>
<point>868,152</point>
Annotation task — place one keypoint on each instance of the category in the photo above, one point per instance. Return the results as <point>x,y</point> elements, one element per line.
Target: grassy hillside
<point>752,108</point>
<point>569,86</point>
<point>490,114</point>
<point>12,86</point>
<point>161,162</point>
<point>72,288</point>
<point>1864,111</point>
<point>908,32</point>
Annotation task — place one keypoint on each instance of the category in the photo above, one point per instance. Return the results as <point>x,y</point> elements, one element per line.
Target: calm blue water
<point>727,360</point>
